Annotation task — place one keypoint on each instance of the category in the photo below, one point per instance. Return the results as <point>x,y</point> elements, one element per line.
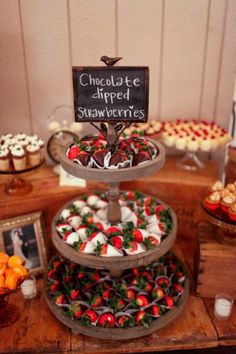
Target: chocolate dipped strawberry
<point>119,160</point>
<point>140,158</point>
<point>158,293</point>
<point>107,250</point>
<point>142,318</point>
<point>117,241</point>
<point>163,282</point>
<point>97,237</point>
<point>83,158</point>
<point>125,321</point>
<point>100,158</point>
<point>156,310</point>
<point>74,294</point>
<point>96,301</point>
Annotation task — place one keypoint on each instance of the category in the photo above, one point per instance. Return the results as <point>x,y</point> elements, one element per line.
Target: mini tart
<point>212,201</point>
<point>227,202</point>
<point>232,212</point>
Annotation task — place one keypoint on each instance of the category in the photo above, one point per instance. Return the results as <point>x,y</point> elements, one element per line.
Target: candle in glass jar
<point>28,288</point>
<point>223,306</point>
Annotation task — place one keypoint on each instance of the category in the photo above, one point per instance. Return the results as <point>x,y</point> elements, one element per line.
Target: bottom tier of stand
<point>140,302</point>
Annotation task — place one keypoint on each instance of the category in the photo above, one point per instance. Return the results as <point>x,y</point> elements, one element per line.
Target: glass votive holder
<point>28,287</point>
<point>223,306</point>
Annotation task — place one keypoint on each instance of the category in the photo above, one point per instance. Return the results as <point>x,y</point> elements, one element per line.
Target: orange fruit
<point>2,281</point>
<point>11,281</point>
<point>14,261</point>
<point>4,257</point>
<point>20,270</point>
<point>3,268</point>
<point>8,271</point>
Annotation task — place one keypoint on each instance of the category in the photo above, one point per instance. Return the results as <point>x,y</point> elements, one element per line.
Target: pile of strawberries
<point>94,151</point>
<point>93,298</point>
<point>144,224</point>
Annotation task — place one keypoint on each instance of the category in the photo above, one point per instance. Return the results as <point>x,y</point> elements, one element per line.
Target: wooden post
<point>114,212</point>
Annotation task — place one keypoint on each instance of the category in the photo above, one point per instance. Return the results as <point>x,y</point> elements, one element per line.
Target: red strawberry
<point>73,152</point>
<point>117,242</point>
<point>54,287</point>
<point>158,293</point>
<point>81,275</point>
<point>169,301</point>
<point>147,275</point>
<point>130,294</point>
<point>74,294</point>
<point>138,236</point>
<point>107,320</point>
<point>91,315</point>
<point>52,274</point>
<point>113,231</point>
<point>152,241</point>
<point>141,300</point>
<point>155,310</point>
<point>130,195</point>
<point>96,301</point>
<point>147,287</point>
<point>106,294</point>
<point>67,278</point>
<point>96,276</point>
<point>140,317</point>
<point>99,226</point>
<point>122,320</point>
<point>133,246</point>
<point>159,208</point>
<point>56,264</point>
<point>163,282</point>
<point>75,311</point>
<point>134,282</point>
<point>60,299</point>
<point>136,271</point>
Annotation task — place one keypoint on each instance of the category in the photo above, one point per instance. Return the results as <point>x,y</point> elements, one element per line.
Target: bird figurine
<point>110,61</point>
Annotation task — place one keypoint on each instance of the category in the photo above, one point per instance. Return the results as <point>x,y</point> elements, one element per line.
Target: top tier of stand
<point>114,175</point>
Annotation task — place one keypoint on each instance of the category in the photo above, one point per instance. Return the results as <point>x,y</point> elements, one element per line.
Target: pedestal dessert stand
<point>116,265</point>
<point>225,228</point>
<point>18,185</point>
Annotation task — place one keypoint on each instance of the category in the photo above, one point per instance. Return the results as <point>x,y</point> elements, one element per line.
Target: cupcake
<point>4,159</point>
<point>212,201</point>
<point>33,154</point>
<point>227,202</point>
<point>193,144</point>
<point>217,186</point>
<point>18,157</point>
<point>232,212</point>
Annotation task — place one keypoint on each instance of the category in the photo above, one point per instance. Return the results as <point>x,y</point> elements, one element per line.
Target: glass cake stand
<point>225,227</point>
<point>19,186</point>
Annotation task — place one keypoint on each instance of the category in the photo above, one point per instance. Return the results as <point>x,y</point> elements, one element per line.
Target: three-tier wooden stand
<point>116,265</point>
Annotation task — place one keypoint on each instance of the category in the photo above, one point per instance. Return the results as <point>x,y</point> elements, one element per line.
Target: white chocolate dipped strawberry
<point>97,237</point>
<point>74,221</point>
<point>133,248</point>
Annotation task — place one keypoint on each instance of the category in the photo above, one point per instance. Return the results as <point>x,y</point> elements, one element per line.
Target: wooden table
<point>37,330</point>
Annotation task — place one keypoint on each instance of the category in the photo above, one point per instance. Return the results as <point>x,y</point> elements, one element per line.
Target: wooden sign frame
<point>142,104</point>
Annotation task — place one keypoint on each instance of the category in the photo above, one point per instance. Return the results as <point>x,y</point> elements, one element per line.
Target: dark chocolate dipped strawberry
<point>125,147</point>
<point>53,287</point>
<point>169,302</point>
<point>60,299</point>
<point>100,158</point>
<point>107,320</point>
<point>176,289</point>
<point>130,294</point>
<point>119,160</point>
<point>156,310</point>
<point>83,158</point>
<point>140,157</point>
<point>116,303</point>
<point>163,282</point>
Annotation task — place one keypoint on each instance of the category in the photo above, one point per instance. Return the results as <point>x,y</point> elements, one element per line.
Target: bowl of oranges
<point>12,274</point>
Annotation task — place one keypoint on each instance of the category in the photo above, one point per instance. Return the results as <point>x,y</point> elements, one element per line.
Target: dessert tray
<point>83,234</point>
<point>141,301</point>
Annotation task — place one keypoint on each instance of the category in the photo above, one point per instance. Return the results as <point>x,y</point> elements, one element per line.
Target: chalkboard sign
<point>111,94</point>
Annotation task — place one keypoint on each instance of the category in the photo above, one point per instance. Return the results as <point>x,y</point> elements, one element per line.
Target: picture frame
<point>23,235</point>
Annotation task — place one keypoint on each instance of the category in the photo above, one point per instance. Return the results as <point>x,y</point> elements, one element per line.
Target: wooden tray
<point>113,263</point>
<point>123,174</point>
<point>119,333</point>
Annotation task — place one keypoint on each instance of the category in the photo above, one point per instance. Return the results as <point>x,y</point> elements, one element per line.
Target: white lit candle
<point>223,306</point>
<point>28,288</point>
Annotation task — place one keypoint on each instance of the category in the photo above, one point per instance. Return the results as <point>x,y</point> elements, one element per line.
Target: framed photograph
<point>23,236</point>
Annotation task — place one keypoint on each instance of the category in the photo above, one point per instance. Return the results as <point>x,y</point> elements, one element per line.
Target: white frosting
<point>17,151</point>
<point>4,152</point>
<point>20,136</point>
<point>214,197</point>
<point>33,148</point>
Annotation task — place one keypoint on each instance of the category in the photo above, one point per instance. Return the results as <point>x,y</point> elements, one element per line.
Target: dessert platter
<point>193,137</point>
<point>152,128</point>
<point>113,279</point>
<point>220,210</point>
<point>140,302</point>
<point>20,154</point>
